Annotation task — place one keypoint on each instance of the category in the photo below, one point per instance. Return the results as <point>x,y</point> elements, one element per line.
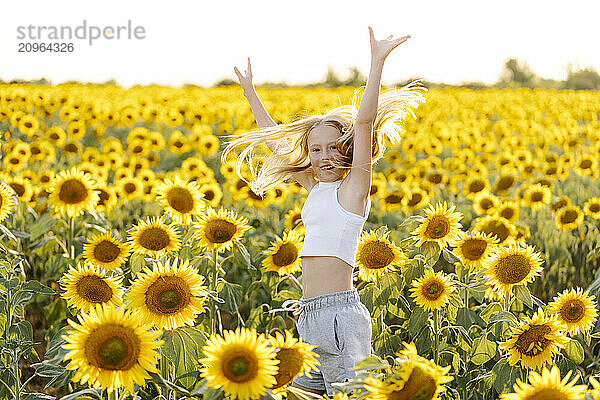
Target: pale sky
<point>199,42</point>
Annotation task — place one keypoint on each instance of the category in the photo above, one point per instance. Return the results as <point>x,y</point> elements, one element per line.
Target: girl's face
<point>322,150</point>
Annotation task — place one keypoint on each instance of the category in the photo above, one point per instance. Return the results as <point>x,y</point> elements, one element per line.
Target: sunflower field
<point>134,264</point>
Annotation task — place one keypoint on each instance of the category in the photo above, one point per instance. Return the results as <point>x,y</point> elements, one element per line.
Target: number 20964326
<point>26,47</point>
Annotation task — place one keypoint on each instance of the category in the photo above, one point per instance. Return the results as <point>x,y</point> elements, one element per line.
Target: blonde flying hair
<point>290,154</point>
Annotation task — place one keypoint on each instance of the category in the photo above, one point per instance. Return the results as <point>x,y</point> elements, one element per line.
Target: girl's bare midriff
<point>324,275</point>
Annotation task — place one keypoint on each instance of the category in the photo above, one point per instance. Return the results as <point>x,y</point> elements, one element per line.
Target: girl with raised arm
<point>331,156</point>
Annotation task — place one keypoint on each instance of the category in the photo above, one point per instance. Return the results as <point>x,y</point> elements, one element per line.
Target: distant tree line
<point>515,74</point>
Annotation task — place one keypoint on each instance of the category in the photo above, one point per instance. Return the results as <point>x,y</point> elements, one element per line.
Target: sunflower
<point>154,238</point>
<point>547,385</point>
<point>485,202</point>
<point>432,291</point>
<point>414,199</point>
<point>29,125</point>
<point>414,378</point>
<point>569,218</point>
<point>180,200</point>
<point>535,341</point>
<point>575,309</point>
<point>512,265</point>
<point>212,193</point>
<point>107,199</point>
<point>88,285</point>
<point>507,179</point>
<point>6,201</point>
<point>130,188</point>
<point>391,200</point>
<point>168,296</point>
<point>441,226</point>
<point>376,255</point>
<point>56,135</point>
<point>474,185</point>
<point>295,358</point>
<point>474,247</point>
<point>537,197</point>
<point>219,230</point>
<point>109,349</point>
<point>586,165</point>
<point>509,210</point>
<point>592,207</point>
<point>500,227</point>
<point>293,221</point>
<point>72,192</point>
<point>106,251</point>
<point>282,256</point>
<point>243,364</point>
<point>22,187</point>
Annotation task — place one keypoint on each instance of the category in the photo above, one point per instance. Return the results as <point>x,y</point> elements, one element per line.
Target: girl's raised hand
<point>245,80</point>
<point>381,48</point>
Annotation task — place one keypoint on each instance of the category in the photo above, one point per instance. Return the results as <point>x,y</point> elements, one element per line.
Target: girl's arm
<point>379,52</point>
<point>262,117</point>
<point>361,171</point>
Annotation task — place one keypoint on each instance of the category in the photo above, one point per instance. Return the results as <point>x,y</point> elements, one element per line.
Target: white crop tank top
<point>331,230</point>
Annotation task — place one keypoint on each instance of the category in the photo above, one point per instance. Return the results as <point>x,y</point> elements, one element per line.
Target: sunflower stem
<point>213,287</point>
<point>70,245</point>
<point>507,302</point>
<point>436,338</point>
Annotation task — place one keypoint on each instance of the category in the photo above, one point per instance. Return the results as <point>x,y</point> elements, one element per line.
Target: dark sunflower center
<point>180,199</point>
<point>154,238</point>
<point>507,213</point>
<point>512,269</point>
<point>432,290</point>
<point>536,197</point>
<point>497,228</point>
<point>286,255</point>
<point>240,366</point>
<point>505,182</point>
<point>486,204</point>
<point>438,227</point>
<point>533,341</point>
<point>113,347</point>
<point>14,160</point>
<point>435,178</point>
<point>72,191</point>
<point>290,364</point>
<point>473,249</point>
<point>28,124</point>
<point>595,207</point>
<point>415,199</point>
<point>106,251</point>
<point>18,188</point>
<point>130,187</point>
<point>572,311</point>
<point>71,148</point>
<point>393,199</point>
<point>476,187</point>
<point>54,136</point>
<point>103,196</point>
<point>420,385</point>
<point>376,255</point>
<point>585,164</point>
<point>209,195</point>
<point>93,289</point>
<point>220,231</point>
<point>569,216</point>
<point>168,295</point>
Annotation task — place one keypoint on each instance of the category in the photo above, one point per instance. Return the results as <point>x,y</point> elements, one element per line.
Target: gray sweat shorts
<point>340,325</point>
